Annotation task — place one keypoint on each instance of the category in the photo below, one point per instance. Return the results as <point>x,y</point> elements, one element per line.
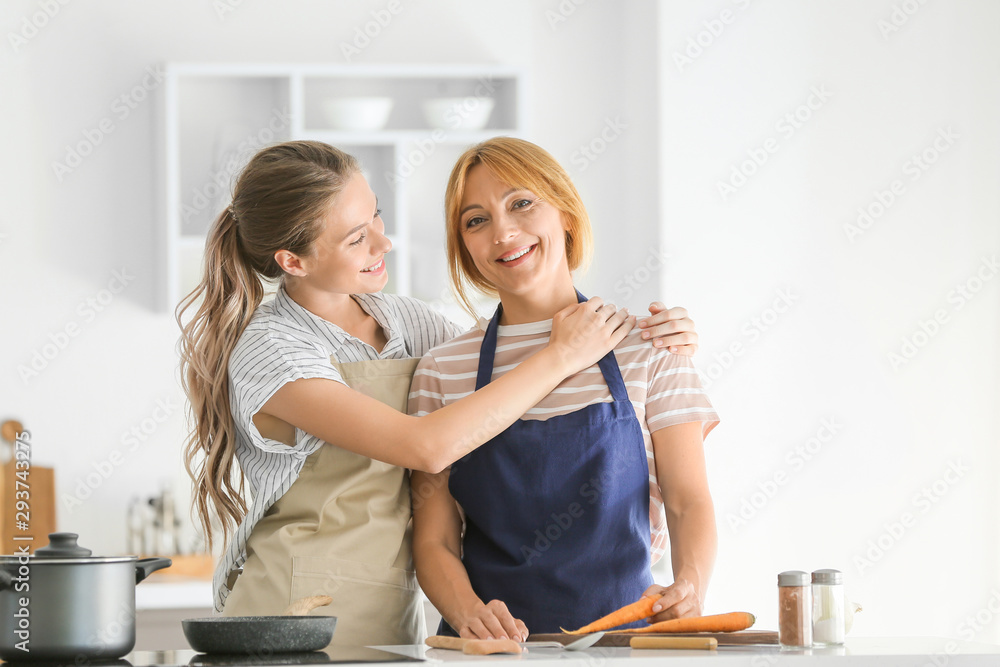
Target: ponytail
<point>280,202</point>
<point>229,294</point>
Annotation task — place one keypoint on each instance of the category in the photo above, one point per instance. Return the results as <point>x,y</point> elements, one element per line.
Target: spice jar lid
<point>793,578</point>
<point>828,577</point>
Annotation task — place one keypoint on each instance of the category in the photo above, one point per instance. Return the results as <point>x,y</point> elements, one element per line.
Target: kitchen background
<point>816,182</point>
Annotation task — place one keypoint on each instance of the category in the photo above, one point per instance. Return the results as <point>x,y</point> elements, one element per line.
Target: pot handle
<point>6,580</point>
<point>147,566</point>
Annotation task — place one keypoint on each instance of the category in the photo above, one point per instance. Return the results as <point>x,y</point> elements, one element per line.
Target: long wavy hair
<point>280,202</point>
<point>521,164</point>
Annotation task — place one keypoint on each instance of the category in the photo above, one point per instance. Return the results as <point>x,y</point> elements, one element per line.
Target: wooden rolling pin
<point>474,646</point>
<point>704,643</point>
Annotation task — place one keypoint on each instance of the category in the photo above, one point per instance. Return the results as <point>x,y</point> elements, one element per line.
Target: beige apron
<point>343,530</point>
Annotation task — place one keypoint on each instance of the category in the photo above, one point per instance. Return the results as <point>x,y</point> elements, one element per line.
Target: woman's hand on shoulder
<point>491,621</point>
<point>585,332</point>
<point>670,328</point>
<point>678,600</point>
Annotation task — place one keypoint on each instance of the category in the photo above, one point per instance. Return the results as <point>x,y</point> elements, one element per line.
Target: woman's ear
<point>290,263</point>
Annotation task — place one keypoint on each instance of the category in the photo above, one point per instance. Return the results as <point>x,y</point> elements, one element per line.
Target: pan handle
<point>147,566</point>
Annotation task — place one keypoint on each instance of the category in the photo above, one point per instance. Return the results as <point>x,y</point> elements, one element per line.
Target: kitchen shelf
<point>212,117</point>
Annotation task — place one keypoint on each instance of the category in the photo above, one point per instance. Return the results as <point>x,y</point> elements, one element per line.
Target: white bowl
<point>357,113</point>
<point>458,113</point>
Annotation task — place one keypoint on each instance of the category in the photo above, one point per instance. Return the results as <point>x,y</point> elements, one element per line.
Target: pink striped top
<point>664,389</point>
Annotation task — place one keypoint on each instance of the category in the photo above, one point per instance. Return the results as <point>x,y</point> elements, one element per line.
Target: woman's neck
<point>538,305</point>
<point>339,309</point>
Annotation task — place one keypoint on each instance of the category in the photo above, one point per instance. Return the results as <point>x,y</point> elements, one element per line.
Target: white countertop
<point>857,652</point>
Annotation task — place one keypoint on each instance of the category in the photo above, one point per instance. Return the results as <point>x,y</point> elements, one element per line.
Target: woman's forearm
<point>451,432</point>
<point>693,543</point>
<point>340,416</point>
<point>443,578</point>
<point>680,471</point>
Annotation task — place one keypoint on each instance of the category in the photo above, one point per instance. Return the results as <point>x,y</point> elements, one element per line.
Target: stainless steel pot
<point>61,603</point>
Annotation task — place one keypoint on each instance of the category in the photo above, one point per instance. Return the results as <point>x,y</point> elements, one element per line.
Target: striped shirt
<point>664,389</point>
<point>285,342</point>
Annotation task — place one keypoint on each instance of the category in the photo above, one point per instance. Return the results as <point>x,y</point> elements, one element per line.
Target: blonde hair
<point>280,201</point>
<point>521,164</point>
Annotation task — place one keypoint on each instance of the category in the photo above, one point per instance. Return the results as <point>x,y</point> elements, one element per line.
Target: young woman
<point>559,517</point>
<point>307,392</point>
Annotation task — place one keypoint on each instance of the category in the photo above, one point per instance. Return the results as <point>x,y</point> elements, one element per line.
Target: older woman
<point>563,511</point>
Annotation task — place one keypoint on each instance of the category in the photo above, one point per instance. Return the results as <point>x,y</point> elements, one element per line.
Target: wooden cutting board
<point>41,507</point>
<point>740,638</point>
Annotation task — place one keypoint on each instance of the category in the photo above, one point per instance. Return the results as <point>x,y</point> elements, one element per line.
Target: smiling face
<point>348,255</point>
<point>516,239</point>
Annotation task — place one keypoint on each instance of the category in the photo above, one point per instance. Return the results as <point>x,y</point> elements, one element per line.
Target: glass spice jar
<point>794,609</point>
<point>828,607</point>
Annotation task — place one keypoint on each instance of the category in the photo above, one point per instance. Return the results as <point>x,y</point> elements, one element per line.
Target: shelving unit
<point>214,117</point>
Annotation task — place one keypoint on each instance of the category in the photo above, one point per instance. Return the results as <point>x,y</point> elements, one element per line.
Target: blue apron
<point>557,511</point>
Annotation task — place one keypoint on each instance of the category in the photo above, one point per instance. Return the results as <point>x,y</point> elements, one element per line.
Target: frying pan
<point>261,636</point>
<point>223,660</point>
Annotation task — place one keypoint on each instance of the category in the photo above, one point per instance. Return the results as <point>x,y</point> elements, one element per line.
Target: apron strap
<point>487,353</point>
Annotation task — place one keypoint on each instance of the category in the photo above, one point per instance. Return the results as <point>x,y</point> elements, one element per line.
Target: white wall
<point>61,239</point>
<point>901,424</point>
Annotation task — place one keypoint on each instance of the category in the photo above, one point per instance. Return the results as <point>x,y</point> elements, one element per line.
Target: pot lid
<point>63,550</point>
<point>63,545</point>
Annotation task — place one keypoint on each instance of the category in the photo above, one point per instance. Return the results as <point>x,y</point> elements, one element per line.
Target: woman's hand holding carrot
<point>490,621</point>
<point>678,600</point>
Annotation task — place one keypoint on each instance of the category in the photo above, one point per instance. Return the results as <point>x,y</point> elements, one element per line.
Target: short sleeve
<point>426,328</point>
<point>263,362</point>
<point>426,393</point>
<point>674,394</point>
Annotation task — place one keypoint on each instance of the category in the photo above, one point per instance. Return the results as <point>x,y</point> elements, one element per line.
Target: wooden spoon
<point>303,606</point>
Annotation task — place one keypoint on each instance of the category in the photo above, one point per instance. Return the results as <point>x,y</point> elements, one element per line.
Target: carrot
<point>638,610</point>
<point>731,622</point>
